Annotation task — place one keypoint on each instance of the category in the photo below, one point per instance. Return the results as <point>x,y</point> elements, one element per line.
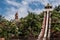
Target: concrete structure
<point>16,20</point>
<point>45,31</point>
<point>16,17</point>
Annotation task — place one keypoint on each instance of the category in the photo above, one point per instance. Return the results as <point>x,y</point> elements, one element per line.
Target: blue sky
<point>8,8</point>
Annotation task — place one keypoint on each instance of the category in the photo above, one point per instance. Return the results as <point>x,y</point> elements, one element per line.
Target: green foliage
<point>57,8</point>
<point>56,19</point>
<point>29,25</point>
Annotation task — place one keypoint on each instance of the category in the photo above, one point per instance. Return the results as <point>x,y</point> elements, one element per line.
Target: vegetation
<point>28,26</point>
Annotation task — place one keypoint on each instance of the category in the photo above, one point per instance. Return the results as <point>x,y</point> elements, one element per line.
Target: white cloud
<point>10,13</point>
<point>24,3</point>
<point>38,11</point>
<point>13,3</point>
<point>22,12</point>
<point>23,7</point>
<point>41,1</point>
<point>44,2</point>
<point>55,2</point>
